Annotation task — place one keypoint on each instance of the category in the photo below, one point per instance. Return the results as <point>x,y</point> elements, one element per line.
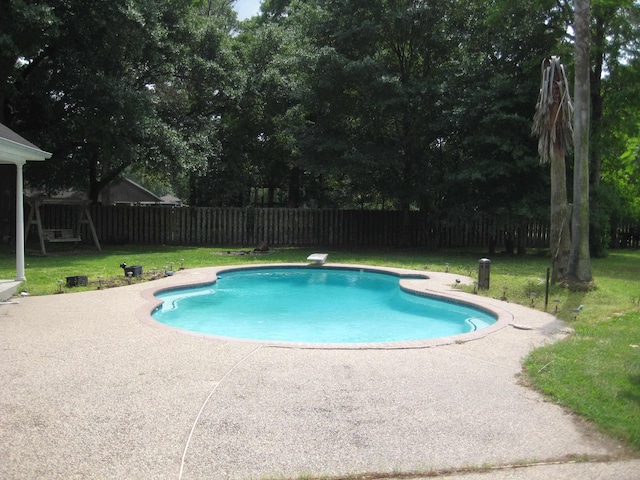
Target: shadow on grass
<point>633,394</point>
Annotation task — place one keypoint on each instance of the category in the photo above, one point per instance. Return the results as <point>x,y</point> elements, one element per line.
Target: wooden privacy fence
<point>247,227</point>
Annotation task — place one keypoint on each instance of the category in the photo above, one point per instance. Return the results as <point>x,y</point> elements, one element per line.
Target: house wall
<point>7,204</point>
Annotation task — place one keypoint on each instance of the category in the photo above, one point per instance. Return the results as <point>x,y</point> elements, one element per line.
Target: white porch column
<point>19,224</point>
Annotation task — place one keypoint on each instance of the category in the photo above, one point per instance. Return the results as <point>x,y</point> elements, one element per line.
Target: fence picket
<point>298,227</point>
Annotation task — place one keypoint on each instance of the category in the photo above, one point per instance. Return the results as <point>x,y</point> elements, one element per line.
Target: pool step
<point>8,288</point>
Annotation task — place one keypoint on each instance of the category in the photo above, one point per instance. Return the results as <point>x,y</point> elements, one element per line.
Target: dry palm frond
<point>553,120</point>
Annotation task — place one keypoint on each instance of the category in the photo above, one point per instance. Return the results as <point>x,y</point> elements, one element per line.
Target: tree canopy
<point>404,104</point>
<point>106,85</point>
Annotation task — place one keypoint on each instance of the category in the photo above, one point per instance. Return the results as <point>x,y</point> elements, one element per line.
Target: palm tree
<point>552,124</point>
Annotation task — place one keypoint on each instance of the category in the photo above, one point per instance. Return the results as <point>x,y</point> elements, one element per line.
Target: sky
<point>246,8</point>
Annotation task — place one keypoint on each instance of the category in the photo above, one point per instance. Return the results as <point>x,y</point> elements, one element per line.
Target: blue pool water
<point>315,305</point>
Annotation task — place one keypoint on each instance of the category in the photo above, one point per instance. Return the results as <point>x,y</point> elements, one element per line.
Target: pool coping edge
<point>441,285</point>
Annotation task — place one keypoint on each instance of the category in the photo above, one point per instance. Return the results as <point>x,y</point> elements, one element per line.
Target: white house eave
<point>13,152</point>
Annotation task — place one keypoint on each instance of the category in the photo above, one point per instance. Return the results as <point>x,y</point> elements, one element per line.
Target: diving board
<point>318,258</point>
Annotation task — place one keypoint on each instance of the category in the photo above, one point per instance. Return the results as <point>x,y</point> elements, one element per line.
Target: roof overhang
<point>15,153</point>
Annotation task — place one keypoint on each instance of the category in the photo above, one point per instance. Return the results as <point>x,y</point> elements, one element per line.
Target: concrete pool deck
<point>91,391</point>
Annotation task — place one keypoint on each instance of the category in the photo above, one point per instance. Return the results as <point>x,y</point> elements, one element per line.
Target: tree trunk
<point>94,183</point>
<point>293,200</point>
<point>405,202</point>
<point>596,244</point>
<point>522,238</point>
<point>559,235</point>
<point>271,194</point>
<point>193,190</point>
<point>579,261</point>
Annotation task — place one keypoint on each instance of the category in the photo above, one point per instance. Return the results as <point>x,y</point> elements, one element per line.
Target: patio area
<point>92,391</point>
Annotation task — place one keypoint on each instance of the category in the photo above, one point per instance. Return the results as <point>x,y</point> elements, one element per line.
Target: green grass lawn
<point>595,372</point>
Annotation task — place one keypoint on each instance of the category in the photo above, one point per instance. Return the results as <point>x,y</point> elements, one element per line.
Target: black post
<point>546,293</point>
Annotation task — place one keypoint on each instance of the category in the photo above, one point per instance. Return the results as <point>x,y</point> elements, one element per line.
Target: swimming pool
<point>316,305</point>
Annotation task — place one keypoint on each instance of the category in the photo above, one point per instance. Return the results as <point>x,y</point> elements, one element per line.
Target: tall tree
<point>96,84</point>
<point>27,28</point>
<point>552,124</point>
<point>378,95</point>
<point>493,167</point>
<point>619,190</point>
<point>580,261</point>
<point>615,40</point>
<point>260,144</point>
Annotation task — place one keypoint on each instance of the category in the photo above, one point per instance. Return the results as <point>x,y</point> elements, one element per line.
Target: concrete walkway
<point>89,390</point>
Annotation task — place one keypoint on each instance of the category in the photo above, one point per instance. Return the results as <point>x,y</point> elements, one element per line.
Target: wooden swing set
<point>60,235</point>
